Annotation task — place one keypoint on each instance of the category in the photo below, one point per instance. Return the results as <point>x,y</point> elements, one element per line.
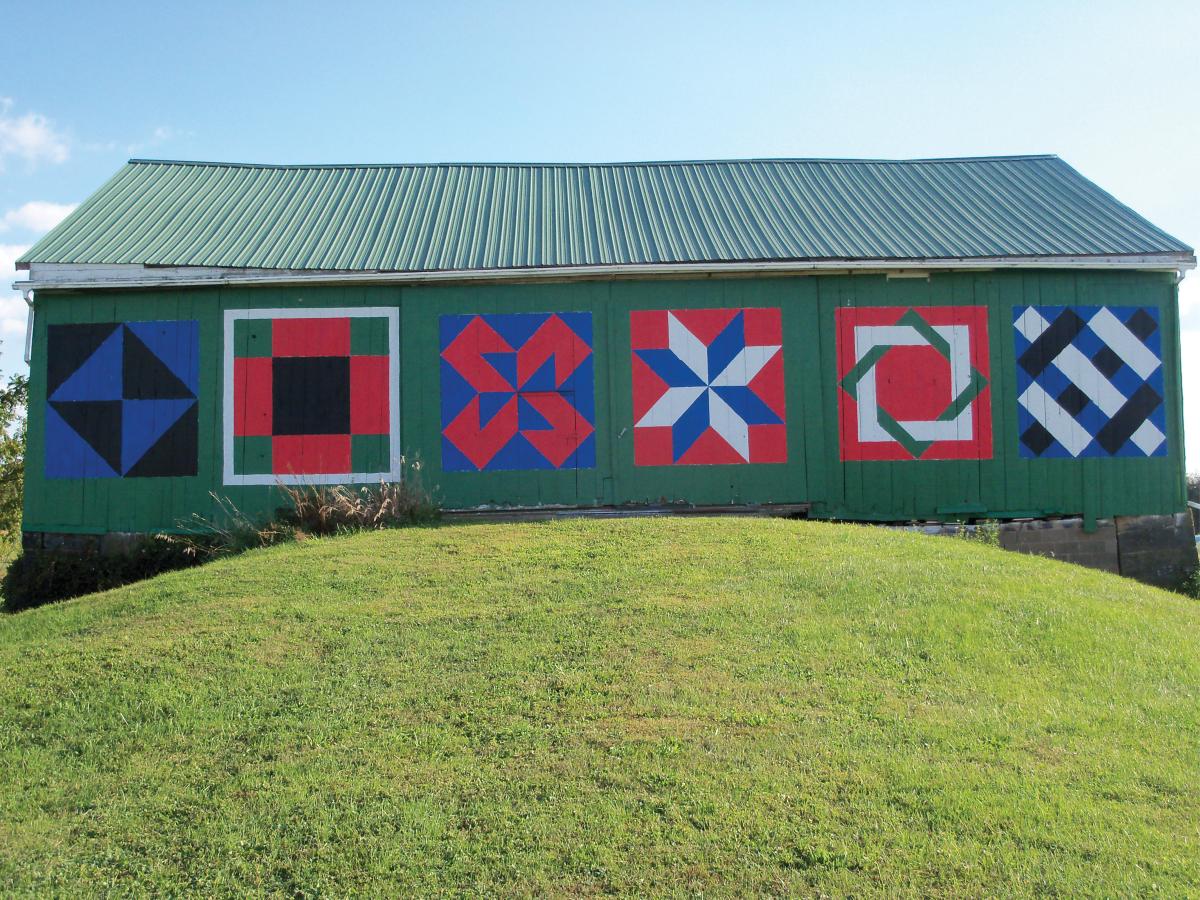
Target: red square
<point>763,326</point>
<point>252,396</point>
<point>369,405</point>
<point>914,382</point>
<point>310,454</point>
<point>652,447</point>
<point>647,328</point>
<point>902,351</point>
<point>311,337</point>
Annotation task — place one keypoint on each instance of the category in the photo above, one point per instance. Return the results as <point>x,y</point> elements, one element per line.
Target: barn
<point>871,340</point>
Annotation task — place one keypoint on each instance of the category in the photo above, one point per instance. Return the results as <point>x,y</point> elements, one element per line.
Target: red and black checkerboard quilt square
<point>301,409</point>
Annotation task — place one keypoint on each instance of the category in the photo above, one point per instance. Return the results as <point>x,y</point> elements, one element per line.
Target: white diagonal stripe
<point>1147,437</point>
<point>1031,324</point>
<point>671,405</point>
<point>1084,375</point>
<point>687,347</point>
<point>1124,343</point>
<point>729,425</point>
<point>743,367</point>
<point>958,338</point>
<point>1056,420</point>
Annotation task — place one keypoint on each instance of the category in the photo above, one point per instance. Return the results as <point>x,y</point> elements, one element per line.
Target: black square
<point>1142,324</point>
<point>310,395</point>
<point>1037,439</point>
<point>1107,361</point>
<point>1072,399</point>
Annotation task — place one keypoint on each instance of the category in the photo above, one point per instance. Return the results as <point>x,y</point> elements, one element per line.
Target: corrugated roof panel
<point>417,218</point>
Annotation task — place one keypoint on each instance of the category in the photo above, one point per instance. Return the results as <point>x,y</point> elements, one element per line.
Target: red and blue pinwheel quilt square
<point>518,392</point>
<point>708,387</point>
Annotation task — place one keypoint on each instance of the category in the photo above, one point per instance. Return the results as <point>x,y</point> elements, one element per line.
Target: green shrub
<point>1191,585</point>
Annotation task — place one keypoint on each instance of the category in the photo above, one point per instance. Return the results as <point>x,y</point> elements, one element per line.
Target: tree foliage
<point>14,397</point>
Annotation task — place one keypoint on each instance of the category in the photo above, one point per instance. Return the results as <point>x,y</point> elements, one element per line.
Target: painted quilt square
<point>122,399</point>
<point>518,391</point>
<point>1089,382</point>
<point>913,383</point>
<point>312,396</point>
<point>708,387</point>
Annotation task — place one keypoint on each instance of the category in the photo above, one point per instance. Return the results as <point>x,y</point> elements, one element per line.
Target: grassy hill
<point>680,706</point>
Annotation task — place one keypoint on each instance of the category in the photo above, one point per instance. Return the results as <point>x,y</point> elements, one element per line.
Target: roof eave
<point>79,276</point>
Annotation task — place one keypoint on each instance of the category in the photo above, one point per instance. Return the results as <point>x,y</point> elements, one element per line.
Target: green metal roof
<point>419,218</point>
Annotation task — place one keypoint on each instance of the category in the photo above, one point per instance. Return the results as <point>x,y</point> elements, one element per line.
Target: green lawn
<point>675,706</point>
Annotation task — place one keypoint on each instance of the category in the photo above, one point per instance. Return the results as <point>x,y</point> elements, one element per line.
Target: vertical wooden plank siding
<point>1005,483</point>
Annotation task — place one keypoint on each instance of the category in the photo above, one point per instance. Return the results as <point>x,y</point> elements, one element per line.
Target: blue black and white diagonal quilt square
<point>1089,381</point>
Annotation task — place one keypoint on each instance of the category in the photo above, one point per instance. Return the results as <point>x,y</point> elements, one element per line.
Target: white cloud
<point>31,137</point>
<point>12,312</point>
<point>160,135</point>
<point>36,215</point>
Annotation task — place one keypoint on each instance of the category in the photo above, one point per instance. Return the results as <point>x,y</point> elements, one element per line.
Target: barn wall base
<point>1157,550</point>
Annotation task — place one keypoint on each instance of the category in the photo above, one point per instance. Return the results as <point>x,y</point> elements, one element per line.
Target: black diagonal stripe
<point>1142,324</point>
<point>1051,342</point>
<point>1128,419</point>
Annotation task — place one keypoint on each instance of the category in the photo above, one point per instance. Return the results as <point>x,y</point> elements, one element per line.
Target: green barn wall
<point>1004,486</point>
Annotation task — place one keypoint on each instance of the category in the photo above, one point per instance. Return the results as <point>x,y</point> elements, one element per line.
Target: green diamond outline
<point>898,433</point>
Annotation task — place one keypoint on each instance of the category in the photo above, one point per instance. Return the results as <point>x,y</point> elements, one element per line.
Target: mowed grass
<point>651,706</point>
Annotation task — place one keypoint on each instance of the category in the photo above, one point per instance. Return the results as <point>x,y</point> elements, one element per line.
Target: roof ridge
<point>602,165</point>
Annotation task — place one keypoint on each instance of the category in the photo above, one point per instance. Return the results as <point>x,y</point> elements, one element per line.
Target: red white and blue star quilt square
<point>708,387</point>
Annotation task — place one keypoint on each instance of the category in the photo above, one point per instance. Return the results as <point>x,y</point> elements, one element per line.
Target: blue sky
<point>1109,87</point>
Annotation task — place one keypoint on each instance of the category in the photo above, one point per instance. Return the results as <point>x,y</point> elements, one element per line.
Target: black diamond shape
<point>1073,400</point>
<point>1037,438</point>
<point>311,394</point>
<point>1142,324</point>
<point>1107,361</point>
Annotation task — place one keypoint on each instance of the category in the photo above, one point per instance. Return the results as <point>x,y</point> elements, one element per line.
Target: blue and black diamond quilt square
<point>1090,381</point>
<point>121,399</point>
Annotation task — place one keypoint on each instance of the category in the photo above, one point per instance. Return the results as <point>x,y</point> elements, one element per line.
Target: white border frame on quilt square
<point>396,471</point>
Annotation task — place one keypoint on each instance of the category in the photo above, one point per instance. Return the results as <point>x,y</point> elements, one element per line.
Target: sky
<point>1109,87</point>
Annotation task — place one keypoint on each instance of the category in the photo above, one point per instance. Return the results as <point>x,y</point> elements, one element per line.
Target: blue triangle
<point>505,364</point>
<point>516,328</point>
<point>516,455</point>
<point>99,378</point>
<point>579,389</point>
<point>68,455</point>
<point>456,393</point>
<point>580,323</point>
<point>176,344</point>
<point>143,422</point>
<point>454,460</point>
<point>529,419</point>
<point>490,403</point>
<point>543,378</point>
